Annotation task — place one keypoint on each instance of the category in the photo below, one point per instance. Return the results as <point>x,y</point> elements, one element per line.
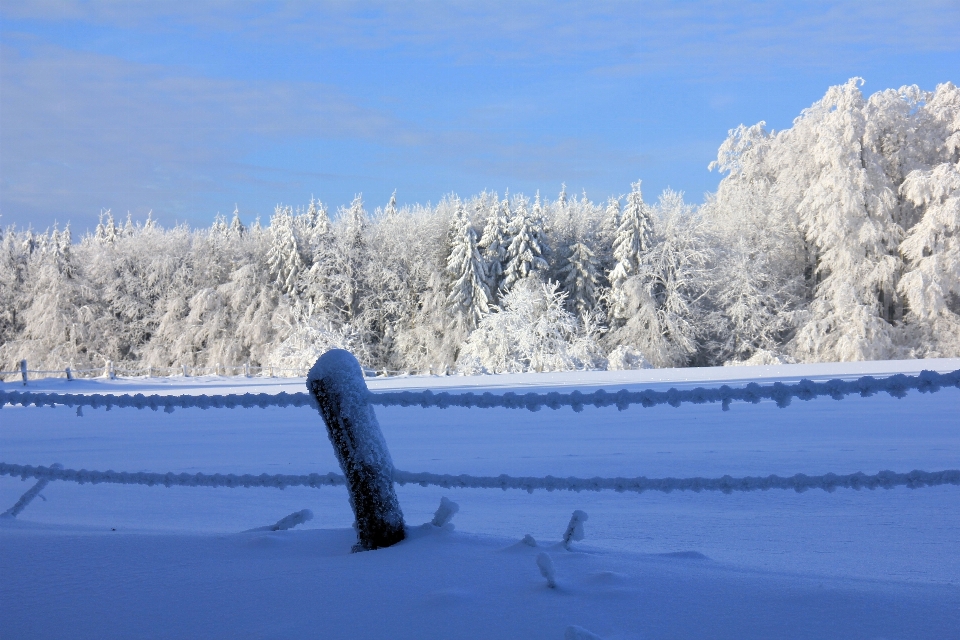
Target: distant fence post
<point>23,371</point>
<point>336,381</point>
<point>185,374</point>
<point>69,373</point>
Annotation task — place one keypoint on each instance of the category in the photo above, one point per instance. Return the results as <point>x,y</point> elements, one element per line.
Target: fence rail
<point>782,394</point>
<point>726,484</point>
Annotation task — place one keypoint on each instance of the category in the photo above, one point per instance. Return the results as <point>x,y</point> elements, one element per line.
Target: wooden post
<point>69,373</point>
<point>336,382</point>
<point>23,371</point>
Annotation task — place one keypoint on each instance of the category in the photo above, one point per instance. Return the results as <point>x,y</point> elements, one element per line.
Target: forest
<point>836,239</point>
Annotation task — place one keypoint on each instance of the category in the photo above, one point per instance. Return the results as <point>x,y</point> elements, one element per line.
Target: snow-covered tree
<point>494,243</point>
<point>391,209</point>
<point>532,332</point>
<point>236,226</point>
<point>581,278</point>
<point>661,311</point>
<point>285,259</point>
<point>526,250</point>
<point>633,240</point>
<point>469,297</point>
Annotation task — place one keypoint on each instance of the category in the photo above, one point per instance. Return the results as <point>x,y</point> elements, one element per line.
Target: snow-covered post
<point>69,373</point>
<point>336,381</point>
<point>23,371</point>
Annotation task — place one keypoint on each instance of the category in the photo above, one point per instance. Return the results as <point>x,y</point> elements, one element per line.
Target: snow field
<point>759,564</point>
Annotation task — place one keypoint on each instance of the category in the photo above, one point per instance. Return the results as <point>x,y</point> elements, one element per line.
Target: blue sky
<point>186,109</point>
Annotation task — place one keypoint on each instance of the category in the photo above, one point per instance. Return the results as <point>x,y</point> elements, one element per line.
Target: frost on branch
<point>336,381</point>
<point>288,522</point>
<point>574,530</point>
<point>445,512</point>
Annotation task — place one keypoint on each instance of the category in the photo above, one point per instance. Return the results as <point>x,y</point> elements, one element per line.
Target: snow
<point>121,560</point>
<point>445,512</point>
<point>547,570</point>
<point>574,532</point>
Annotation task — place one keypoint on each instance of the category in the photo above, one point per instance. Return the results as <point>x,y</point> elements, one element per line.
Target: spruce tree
<point>580,278</point>
<point>525,253</point>
<point>469,297</point>
<point>494,244</point>
<point>284,259</point>
<point>634,235</point>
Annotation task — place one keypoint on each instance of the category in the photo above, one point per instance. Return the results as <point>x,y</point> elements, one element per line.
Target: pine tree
<point>391,209</point>
<point>469,296</point>
<point>633,240</point>
<point>525,253</point>
<point>494,243</point>
<point>580,279</point>
<point>661,312</point>
<point>108,232</point>
<point>236,226</point>
<point>284,259</point>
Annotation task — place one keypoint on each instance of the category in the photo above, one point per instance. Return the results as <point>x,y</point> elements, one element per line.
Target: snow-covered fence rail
<point>782,394</point>
<point>800,482</point>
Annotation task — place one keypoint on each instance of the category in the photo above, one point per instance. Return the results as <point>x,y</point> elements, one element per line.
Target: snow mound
<point>625,358</point>
<point>761,357</point>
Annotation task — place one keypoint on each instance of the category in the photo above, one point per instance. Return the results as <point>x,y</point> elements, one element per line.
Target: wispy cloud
<point>179,106</point>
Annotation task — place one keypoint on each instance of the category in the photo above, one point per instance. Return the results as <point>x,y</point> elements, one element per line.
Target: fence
<point>896,386</point>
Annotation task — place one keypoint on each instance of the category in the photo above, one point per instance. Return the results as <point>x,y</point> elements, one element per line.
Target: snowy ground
<point>130,561</point>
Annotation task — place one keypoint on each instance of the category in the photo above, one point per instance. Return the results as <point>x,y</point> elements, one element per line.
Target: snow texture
<point>547,569</point>
<point>726,484</point>
<point>288,522</point>
<point>445,512</point>
<point>841,565</point>
<point>574,532</point>
<point>897,386</point>
<point>574,632</point>
<point>336,381</point>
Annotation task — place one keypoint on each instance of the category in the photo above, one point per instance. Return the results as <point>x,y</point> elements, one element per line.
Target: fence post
<point>246,370</point>
<point>185,374</point>
<point>69,373</point>
<point>336,382</point>
<point>23,370</point>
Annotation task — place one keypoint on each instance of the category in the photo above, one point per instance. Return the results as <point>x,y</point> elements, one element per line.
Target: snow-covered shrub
<point>533,331</point>
<point>761,357</point>
<point>311,338</point>
<point>545,563</point>
<point>625,358</point>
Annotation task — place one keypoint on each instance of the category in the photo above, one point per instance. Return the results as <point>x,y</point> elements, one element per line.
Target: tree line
<point>835,239</point>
